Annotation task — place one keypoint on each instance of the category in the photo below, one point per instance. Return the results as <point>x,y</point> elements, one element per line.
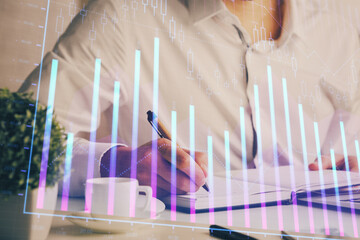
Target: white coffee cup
<point>124,193</point>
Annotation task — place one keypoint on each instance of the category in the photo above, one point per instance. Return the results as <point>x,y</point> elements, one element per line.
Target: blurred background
<point>22,24</point>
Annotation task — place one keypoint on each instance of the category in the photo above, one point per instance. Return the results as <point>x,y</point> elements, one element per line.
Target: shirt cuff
<point>108,149</point>
<point>80,163</point>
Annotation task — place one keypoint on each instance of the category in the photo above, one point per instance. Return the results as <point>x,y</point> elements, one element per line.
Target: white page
<point>237,196</point>
<point>299,177</point>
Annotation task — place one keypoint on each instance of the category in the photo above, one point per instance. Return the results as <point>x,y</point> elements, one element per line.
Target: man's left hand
<point>339,163</point>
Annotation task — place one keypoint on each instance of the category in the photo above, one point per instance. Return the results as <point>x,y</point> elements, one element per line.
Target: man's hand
<point>163,154</point>
<point>339,163</point>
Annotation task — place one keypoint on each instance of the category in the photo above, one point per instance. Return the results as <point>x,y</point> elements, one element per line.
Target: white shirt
<point>204,56</point>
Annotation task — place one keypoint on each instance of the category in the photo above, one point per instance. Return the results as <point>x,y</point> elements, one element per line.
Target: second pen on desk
<point>163,132</point>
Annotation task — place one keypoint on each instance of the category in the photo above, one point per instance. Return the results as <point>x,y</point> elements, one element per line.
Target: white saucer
<point>116,224</point>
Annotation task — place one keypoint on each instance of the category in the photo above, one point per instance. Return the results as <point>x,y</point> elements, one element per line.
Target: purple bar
<point>67,172</point>
<point>347,168</point>
<point>338,203</point>
<point>290,151</point>
<point>228,179</point>
<point>47,135</point>
<point>192,163</point>
<point>321,176</point>
<point>114,135</point>
<point>275,148</point>
<point>211,181</point>
<point>135,129</point>
<point>260,157</point>
<point>173,166</point>
<point>244,165</point>
<point>357,152</point>
<point>306,163</point>
<point>154,133</point>
<point>93,127</point>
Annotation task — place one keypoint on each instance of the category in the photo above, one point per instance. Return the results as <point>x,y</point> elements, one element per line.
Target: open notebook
<point>255,192</point>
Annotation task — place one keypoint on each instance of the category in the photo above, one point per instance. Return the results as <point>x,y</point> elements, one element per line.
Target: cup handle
<point>148,193</point>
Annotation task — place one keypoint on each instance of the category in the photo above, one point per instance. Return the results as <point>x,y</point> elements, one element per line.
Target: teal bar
<point>47,135</point>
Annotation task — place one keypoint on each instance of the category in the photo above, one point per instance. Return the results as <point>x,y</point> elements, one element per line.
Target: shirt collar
<point>292,24</point>
<point>201,10</point>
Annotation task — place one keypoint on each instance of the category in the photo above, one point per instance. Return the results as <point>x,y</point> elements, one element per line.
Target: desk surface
<point>62,228</point>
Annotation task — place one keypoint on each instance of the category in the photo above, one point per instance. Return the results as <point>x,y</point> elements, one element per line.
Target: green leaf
<point>16,113</point>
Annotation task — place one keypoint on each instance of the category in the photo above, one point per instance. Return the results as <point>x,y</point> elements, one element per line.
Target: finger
<point>162,193</point>
<point>182,161</point>
<point>183,182</point>
<point>144,178</point>
<point>326,163</point>
<point>353,164</point>
<point>201,159</point>
<point>180,188</point>
<point>313,166</point>
<point>165,186</point>
<point>163,169</point>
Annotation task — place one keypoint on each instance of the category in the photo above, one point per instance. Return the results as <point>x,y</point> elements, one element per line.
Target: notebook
<point>276,185</point>
<point>335,199</point>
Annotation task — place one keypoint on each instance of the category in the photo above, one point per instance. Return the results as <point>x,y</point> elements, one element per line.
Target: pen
<point>163,133</point>
<point>286,236</point>
<point>224,233</point>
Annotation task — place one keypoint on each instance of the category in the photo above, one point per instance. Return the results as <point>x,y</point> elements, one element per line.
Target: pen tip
<point>206,187</point>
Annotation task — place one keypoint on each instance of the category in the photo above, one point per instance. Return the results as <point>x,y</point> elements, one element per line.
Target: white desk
<point>63,229</point>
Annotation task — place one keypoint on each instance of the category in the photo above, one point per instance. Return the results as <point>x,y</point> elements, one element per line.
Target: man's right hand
<point>163,156</point>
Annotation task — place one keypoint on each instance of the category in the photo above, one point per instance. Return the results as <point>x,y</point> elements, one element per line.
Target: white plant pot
<point>14,224</point>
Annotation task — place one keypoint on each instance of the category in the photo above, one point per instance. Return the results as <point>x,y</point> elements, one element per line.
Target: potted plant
<point>16,136</point>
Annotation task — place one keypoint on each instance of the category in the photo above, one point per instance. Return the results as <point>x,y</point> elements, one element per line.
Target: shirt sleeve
<point>344,129</point>
<point>79,165</point>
